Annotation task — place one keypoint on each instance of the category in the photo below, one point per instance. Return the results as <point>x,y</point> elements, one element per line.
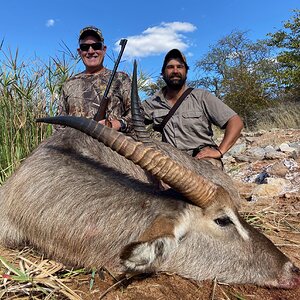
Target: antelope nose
<point>296,276</point>
<point>295,270</point>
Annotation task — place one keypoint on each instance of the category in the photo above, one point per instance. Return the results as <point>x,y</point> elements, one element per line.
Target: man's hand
<point>209,152</point>
<point>113,123</point>
<point>233,130</point>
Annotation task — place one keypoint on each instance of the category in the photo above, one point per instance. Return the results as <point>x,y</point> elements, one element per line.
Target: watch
<point>123,125</point>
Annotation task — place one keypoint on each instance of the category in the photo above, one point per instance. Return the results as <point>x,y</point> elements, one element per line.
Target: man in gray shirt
<point>190,127</point>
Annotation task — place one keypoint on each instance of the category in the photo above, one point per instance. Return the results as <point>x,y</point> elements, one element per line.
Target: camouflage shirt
<point>82,94</point>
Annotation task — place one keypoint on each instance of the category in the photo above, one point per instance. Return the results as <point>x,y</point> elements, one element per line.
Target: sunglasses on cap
<point>95,46</point>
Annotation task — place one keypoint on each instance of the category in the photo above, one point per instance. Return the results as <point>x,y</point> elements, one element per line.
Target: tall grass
<point>283,115</point>
<point>27,91</point>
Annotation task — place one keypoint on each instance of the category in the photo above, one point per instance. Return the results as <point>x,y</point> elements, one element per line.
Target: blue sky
<point>38,28</point>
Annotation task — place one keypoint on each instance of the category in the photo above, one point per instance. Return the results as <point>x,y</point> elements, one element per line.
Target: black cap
<point>174,53</point>
<point>91,30</point>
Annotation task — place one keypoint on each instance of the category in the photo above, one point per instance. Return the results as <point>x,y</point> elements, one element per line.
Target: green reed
<point>28,90</point>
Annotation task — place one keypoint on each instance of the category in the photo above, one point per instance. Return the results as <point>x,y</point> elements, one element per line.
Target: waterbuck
<point>89,197</point>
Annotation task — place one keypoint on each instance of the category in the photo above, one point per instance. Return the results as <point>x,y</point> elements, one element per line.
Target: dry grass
<point>29,276</point>
<point>278,220</point>
<point>284,115</point>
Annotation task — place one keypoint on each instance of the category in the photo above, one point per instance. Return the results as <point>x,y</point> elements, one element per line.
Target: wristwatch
<point>123,125</point>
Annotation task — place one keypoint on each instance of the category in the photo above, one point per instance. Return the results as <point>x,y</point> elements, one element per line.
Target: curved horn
<point>194,187</point>
<point>137,118</point>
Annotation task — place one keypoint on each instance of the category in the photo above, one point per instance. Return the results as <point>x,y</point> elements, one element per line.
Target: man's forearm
<point>232,133</point>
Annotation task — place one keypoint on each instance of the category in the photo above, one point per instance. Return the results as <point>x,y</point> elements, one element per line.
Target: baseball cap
<point>174,53</point>
<point>91,30</point>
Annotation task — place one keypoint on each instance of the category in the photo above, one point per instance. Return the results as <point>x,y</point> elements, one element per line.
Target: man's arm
<point>233,130</point>
<point>122,119</point>
<point>126,118</point>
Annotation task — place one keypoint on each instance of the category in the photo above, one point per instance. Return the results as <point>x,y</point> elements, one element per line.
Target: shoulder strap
<point>172,110</point>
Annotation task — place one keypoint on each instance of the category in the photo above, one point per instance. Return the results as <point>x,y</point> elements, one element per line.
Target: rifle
<point>100,115</point>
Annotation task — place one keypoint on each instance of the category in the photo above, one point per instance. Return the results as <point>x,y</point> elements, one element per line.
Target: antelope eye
<point>223,221</point>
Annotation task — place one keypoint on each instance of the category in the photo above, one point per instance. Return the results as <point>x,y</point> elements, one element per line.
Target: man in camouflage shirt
<point>82,94</point>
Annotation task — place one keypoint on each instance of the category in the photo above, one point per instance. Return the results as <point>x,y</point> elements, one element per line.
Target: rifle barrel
<point>100,115</point>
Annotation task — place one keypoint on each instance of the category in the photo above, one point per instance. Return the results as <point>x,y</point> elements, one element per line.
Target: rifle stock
<point>101,113</point>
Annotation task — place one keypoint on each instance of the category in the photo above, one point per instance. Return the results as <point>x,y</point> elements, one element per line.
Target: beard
<point>174,82</point>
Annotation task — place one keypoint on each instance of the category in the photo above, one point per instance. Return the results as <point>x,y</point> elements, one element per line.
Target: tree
<point>239,72</point>
<point>288,40</point>
<point>245,95</point>
<point>148,86</point>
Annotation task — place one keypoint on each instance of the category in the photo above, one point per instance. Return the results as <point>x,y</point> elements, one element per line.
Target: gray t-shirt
<point>191,124</point>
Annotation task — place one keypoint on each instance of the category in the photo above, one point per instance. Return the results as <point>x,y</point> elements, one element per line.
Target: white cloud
<point>158,39</point>
<point>50,23</point>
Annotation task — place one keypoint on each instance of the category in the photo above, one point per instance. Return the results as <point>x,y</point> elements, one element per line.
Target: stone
<point>256,152</point>
<point>274,187</point>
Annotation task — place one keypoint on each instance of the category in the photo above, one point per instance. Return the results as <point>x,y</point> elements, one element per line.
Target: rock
<point>269,148</point>
<point>274,187</point>
<point>291,164</point>
<point>275,155</point>
<point>261,177</point>
<point>284,147</point>
<point>295,146</point>
<point>244,158</point>
<point>278,169</point>
<point>237,149</point>
<point>250,139</point>
<point>256,152</point>
<point>266,163</point>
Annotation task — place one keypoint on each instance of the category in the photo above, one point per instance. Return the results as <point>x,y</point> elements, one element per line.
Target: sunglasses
<point>95,46</point>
